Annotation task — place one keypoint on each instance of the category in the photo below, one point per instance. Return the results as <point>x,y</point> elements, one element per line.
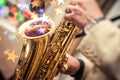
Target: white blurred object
<point>18,1</point>
<point>4,23</point>
<point>4,11</point>
<point>21,1</point>
<point>12,1</point>
<point>23,6</point>
<point>114,11</point>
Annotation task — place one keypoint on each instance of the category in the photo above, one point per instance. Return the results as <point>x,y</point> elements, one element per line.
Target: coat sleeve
<point>103,42</point>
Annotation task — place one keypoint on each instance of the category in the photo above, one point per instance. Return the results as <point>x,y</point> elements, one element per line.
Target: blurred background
<point>13,13</point>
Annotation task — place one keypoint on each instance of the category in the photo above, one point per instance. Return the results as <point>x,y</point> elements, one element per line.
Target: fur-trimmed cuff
<point>79,73</point>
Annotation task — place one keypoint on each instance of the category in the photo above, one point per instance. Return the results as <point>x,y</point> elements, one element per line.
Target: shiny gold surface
<point>41,56</point>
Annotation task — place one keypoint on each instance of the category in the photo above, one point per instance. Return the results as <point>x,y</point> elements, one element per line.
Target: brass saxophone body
<point>40,57</point>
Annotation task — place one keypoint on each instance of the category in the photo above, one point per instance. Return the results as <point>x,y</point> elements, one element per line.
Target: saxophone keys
<point>65,66</point>
<point>63,62</point>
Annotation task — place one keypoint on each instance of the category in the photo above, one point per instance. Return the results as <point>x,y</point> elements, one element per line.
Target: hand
<point>73,66</point>
<point>81,12</point>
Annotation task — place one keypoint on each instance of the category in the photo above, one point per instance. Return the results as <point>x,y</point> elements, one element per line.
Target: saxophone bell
<point>37,34</point>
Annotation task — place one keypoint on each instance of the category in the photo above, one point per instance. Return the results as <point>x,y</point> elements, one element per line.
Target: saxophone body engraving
<point>40,57</point>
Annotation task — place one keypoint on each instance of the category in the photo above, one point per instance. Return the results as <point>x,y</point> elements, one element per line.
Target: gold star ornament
<point>12,56</point>
<point>53,2</point>
<point>58,11</point>
<point>36,3</point>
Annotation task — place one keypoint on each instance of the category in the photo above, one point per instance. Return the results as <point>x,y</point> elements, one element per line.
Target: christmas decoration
<point>2,2</point>
<point>22,12</point>
<point>53,3</point>
<point>12,56</point>
<point>58,11</point>
<point>38,28</point>
<point>2,11</point>
<point>37,6</point>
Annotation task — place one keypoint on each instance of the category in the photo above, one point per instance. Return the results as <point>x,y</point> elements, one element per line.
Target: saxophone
<point>41,56</point>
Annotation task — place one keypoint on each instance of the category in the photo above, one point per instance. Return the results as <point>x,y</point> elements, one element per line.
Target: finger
<point>82,4</point>
<point>71,8</point>
<point>73,13</point>
<point>68,9</point>
<point>68,16</point>
<point>73,3</point>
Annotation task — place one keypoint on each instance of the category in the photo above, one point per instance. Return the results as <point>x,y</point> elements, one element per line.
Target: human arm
<point>75,14</point>
<point>102,42</point>
<point>99,34</point>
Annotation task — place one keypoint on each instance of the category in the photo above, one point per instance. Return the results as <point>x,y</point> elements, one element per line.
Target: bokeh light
<point>2,2</point>
<point>2,11</point>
